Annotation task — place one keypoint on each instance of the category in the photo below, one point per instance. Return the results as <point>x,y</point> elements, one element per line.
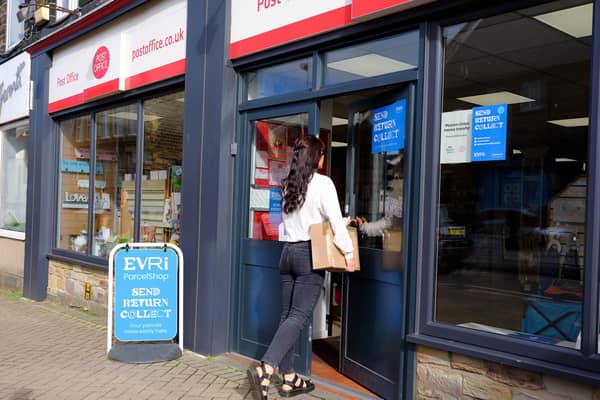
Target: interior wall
<point>12,263</point>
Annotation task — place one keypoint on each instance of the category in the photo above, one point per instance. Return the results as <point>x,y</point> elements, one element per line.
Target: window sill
<point>513,360</point>
<point>79,259</point>
<point>5,233</point>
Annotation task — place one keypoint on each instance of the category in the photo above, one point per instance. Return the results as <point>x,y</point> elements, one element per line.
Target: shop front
<point>114,146</point>
<point>14,130</point>
<point>465,135</point>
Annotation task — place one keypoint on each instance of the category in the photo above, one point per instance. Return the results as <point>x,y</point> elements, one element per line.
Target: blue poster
<point>146,294</point>
<point>389,123</point>
<point>275,201</point>
<point>489,133</point>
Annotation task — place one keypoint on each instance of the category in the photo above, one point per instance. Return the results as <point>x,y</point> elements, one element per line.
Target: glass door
<point>267,149</point>
<point>379,135</point>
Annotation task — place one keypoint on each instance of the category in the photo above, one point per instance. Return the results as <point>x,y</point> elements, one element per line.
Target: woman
<point>308,198</point>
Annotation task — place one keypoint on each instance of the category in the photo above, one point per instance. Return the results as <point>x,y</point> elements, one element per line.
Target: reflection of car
<point>499,235</point>
<point>454,242</point>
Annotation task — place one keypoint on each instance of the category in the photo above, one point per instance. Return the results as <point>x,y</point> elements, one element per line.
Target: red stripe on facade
<point>65,103</point>
<point>155,75</point>
<point>76,26</point>
<point>360,8</point>
<point>101,89</point>
<point>297,30</point>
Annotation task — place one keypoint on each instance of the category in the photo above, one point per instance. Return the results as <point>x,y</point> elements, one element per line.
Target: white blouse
<point>321,205</point>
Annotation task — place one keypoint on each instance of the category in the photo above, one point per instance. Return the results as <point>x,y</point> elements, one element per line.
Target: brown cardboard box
<point>325,254</point>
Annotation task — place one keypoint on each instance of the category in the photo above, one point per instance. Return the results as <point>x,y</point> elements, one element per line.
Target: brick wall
<point>2,25</point>
<point>444,375</point>
<point>66,285</point>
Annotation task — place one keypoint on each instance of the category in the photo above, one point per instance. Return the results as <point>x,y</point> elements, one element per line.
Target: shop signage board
<point>261,24</point>
<point>147,302</point>
<point>489,133</point>
<point>389,123</point>
<point>145,47</point>
<point>455,140</point>
<point>14,88</point>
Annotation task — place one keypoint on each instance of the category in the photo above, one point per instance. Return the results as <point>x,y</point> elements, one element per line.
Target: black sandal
<point>259,390</point>
<point>297,385</point>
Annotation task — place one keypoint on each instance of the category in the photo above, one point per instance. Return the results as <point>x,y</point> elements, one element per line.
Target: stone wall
<point>447,376</point>
<point>2,25</point>
<point>12,263</point>
<point>66,285</point>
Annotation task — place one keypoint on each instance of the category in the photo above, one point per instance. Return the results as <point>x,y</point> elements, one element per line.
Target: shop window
<point>114,194</point>
<point>284,78</point>
<point>375,58</point>
<point>13,181</point>
<point>273,148</point>
<point>115,181</point>
<point>163,172</point>
<point>513,179</point>
<point>74,184</point>
<point>14,28</point>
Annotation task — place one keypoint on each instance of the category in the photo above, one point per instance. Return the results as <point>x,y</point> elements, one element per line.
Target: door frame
<point>259,252</point>
<point>353,369</point>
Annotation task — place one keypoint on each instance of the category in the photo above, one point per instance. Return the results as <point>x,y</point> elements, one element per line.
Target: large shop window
<point>513,181</point>
<point>115,178</point>
<point>13,180</point>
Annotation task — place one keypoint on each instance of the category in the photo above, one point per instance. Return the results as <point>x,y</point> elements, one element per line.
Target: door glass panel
<point>513,179</point>
<point>379,180</point>
<point>116,131</point>
<point>377,57</point>
<point>74,184</point>
<point>273,145</point>
<point>284,78</point>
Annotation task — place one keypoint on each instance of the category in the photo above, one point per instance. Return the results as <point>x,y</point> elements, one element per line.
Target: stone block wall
<point>2,25</point>
<point>12,262</point>
<point>66,285</point>
<point>441,375</point>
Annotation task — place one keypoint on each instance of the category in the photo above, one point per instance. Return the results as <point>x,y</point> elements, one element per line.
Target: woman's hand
<point>358,221</point>
<point>350,266</point>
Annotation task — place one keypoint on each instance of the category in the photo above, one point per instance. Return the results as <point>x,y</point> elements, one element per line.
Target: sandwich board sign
<point>145,302</point>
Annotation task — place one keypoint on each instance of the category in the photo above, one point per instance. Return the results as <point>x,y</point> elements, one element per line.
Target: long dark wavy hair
<point>307,152</point>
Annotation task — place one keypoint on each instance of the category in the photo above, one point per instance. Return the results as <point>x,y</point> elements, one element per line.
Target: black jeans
<point>300,290</point>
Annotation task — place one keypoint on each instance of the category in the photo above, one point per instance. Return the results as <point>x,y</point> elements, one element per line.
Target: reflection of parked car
<point>454,242</point>
<point>500,237</point>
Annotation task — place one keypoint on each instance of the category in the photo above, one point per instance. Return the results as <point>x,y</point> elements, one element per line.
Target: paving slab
<point>52,352</point>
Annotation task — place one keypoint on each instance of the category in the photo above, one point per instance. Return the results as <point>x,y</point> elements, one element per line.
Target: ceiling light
<point>571,122</point>
<point>370,65</point>
<point>338,144</point>
<point>133,116</point>
<point>517,151</point>
<point>575,21</point>
<point>339,121</point>
<point>496,98</point>
<point>563,159</point>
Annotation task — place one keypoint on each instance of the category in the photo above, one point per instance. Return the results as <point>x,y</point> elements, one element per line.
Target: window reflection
<point>374,58</point>
<point>280,79</point>
<point>513,178</point>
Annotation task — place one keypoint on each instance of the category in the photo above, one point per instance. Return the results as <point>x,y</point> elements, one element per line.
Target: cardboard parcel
<point>325,254</point>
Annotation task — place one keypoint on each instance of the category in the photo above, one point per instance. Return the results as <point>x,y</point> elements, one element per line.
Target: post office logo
<point>101,62</point>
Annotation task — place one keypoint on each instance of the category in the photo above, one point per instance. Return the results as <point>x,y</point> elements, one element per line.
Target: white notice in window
<point>455,141</point>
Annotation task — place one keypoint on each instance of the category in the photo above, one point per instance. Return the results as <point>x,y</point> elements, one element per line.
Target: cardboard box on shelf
<point>325,254</point>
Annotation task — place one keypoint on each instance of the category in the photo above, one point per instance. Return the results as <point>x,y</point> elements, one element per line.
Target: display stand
<point>145,303</point>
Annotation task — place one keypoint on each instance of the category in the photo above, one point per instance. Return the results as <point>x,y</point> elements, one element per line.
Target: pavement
<point>49,351</point>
